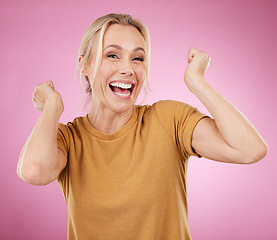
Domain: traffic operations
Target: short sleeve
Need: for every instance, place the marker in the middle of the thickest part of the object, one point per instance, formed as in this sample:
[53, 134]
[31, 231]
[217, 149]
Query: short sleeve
[63, 138]
[186, 129]
[179, 120]
[63, 143]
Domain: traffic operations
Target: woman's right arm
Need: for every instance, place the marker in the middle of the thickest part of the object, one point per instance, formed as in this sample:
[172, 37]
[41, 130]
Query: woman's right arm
[41, 161]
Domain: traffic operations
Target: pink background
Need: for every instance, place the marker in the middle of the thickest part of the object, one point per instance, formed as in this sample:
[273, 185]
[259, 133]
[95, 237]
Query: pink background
[40, 41]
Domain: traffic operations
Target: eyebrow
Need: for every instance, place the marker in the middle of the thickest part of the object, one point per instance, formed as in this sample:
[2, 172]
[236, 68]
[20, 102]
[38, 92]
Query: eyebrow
[120, 48]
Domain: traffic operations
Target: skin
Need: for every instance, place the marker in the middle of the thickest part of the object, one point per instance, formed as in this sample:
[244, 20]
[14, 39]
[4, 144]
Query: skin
[123, 60]
[227, 137]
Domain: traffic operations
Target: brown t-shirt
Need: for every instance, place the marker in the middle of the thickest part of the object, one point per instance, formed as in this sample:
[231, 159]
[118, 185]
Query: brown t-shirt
[129, 185]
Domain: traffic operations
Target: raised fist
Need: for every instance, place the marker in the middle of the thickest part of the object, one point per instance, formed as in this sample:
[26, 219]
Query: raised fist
[45, 93]
[198, 63]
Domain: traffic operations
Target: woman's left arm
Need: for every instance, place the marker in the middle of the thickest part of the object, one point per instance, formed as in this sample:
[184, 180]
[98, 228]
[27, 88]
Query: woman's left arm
[229, 136]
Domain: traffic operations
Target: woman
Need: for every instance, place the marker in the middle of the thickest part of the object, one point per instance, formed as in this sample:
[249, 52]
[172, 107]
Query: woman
[122, 168]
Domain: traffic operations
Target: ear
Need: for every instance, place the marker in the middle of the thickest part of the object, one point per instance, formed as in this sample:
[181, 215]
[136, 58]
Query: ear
[81, 66]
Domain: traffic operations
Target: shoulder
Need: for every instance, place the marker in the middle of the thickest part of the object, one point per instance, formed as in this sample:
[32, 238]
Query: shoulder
[170, 104]
[163, 105]
[168, 112]
[74, 126]
[171, 108]
[177, 114]
[68, 133]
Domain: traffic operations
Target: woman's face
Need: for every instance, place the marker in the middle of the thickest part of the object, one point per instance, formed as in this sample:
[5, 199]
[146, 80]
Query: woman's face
[122, 69]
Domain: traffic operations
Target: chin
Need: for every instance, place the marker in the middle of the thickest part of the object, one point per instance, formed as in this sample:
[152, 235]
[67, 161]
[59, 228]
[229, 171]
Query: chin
[122, 107]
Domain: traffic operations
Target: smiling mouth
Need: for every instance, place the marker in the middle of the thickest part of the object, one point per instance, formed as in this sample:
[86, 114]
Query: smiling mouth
[122, 89]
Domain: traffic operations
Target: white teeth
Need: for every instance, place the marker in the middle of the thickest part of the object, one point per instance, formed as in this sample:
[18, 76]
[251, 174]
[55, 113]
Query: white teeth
[123, 94]
[121, 85]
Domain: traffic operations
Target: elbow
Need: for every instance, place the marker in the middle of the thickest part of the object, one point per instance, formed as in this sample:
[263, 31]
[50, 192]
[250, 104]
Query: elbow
[261, 152]
[32, 174]
[256, 153]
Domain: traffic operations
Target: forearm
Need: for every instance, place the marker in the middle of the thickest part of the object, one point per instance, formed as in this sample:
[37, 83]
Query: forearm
[39, 155]
[232, 125]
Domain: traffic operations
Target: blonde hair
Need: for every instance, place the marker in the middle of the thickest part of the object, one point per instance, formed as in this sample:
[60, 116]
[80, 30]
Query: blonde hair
[100, 26]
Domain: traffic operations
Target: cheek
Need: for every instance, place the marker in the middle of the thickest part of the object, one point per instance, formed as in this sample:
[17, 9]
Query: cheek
[141, 73]
[105, 72]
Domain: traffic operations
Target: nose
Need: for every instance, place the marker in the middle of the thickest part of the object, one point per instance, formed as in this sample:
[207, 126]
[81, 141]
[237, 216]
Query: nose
[126, 69]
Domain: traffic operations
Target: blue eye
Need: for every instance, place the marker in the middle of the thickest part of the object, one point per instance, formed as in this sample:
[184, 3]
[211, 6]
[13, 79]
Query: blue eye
[139, 59]
[112, 56]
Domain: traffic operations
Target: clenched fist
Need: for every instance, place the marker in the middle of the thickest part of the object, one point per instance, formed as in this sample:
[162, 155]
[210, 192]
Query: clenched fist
[45, 93]
[198, 63]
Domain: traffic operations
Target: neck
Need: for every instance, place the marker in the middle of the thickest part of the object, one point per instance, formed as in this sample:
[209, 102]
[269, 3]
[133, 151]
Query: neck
[106, 120]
